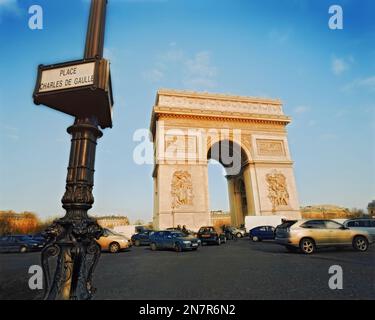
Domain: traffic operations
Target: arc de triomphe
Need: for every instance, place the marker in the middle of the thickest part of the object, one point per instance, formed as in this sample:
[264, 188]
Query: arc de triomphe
[246, 135]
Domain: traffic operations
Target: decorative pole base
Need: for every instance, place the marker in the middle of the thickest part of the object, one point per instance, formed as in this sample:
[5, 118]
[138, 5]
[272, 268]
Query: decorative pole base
[71, 240]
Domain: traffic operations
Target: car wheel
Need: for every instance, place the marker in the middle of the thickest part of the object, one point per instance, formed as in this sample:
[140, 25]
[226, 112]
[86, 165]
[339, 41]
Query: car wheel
[307, 246]
[153, 246]
[137, 243]
[177, 247]
[360, 243]
[239, 235]
[114, 247]
[23, 249]
[255, 238]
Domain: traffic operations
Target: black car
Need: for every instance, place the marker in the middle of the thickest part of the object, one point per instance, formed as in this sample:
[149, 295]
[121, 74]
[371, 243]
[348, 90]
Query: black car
[142, 238]
[19, 244]
[211, 235]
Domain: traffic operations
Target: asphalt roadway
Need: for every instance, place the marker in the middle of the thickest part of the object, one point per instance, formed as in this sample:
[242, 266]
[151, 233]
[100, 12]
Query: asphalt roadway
[236, 270]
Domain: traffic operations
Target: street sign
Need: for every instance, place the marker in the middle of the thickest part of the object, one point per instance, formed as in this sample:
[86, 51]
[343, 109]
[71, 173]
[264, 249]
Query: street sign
[67, 77]
[79, 88]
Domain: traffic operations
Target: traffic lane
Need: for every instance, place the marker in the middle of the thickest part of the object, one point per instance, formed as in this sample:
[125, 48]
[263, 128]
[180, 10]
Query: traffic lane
[238, 270]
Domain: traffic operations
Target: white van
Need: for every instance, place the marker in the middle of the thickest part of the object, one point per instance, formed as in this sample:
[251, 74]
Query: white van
[252, 222]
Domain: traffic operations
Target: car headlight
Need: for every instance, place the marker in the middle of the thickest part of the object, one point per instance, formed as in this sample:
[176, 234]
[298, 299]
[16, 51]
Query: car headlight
[187, 242]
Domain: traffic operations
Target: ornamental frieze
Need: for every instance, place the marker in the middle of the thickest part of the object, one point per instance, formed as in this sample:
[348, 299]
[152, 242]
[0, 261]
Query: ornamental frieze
[237, 107]
[277, 190]
[181, 189]
[270, 147]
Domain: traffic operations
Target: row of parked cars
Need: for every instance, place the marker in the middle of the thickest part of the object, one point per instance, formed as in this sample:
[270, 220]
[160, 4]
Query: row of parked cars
[309, 235]
[179, 240]
[115, 242]
[295, 235]
[110, 241]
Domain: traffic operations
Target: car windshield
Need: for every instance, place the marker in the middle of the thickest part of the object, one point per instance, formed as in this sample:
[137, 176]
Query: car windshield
[24, 238]
[113, 233]
[178, 235]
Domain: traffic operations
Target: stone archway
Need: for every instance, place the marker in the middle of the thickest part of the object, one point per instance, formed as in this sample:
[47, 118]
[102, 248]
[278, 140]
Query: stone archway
[235, 175]
[247, 135]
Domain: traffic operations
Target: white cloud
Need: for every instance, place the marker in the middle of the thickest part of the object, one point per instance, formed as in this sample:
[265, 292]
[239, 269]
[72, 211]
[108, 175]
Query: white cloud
[4, 3]
[9, 131]
[301, 109]
[154, 75]
[339, 66]
[363, 83]
[9, 6]
[200, 71]
[193, 71]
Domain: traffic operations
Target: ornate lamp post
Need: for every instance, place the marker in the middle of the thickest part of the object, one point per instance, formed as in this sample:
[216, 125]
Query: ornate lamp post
[82, 89]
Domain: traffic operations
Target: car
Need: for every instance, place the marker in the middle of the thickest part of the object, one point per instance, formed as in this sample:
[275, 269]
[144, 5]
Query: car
[175, 240]
[141, 238]
[113, 242]
[363, 224]
[187, 232]
[20, 244]
[237, 232]
[211, 235]
[262, 233]
[308, 235]
[38, 238]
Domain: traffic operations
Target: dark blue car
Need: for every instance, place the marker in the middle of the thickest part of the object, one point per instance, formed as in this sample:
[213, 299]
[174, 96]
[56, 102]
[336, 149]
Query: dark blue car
[19, 244]
[142, 238]
[173, 240]
[262, 233]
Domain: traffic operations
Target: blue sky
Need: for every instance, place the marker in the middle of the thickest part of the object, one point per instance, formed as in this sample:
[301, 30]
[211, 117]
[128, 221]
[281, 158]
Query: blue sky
[279, 49]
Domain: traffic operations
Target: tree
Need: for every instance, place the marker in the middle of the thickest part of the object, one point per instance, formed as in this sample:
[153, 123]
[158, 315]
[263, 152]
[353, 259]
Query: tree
[357, 213]
[5, 226]
[139, 222]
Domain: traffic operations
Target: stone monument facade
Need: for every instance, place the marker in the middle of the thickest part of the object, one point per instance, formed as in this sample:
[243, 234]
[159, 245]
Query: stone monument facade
[246, 135]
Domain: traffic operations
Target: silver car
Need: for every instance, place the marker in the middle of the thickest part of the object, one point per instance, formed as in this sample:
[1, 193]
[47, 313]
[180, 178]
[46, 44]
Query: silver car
[307, 235]
[363, 225]
[237, 232]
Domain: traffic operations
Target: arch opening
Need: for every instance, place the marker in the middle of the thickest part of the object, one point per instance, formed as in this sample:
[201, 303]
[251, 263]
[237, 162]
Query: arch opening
[233, 158]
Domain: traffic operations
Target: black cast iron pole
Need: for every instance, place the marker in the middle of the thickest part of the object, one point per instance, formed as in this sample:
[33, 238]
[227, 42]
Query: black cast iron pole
[96, 29]
[71, 240]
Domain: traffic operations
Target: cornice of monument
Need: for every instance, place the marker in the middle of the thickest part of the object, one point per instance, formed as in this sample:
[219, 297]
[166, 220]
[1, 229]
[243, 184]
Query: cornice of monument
[216, 107]
[216, 96]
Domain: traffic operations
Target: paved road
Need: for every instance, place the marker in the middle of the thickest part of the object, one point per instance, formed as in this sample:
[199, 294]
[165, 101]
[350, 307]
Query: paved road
[237, 270]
